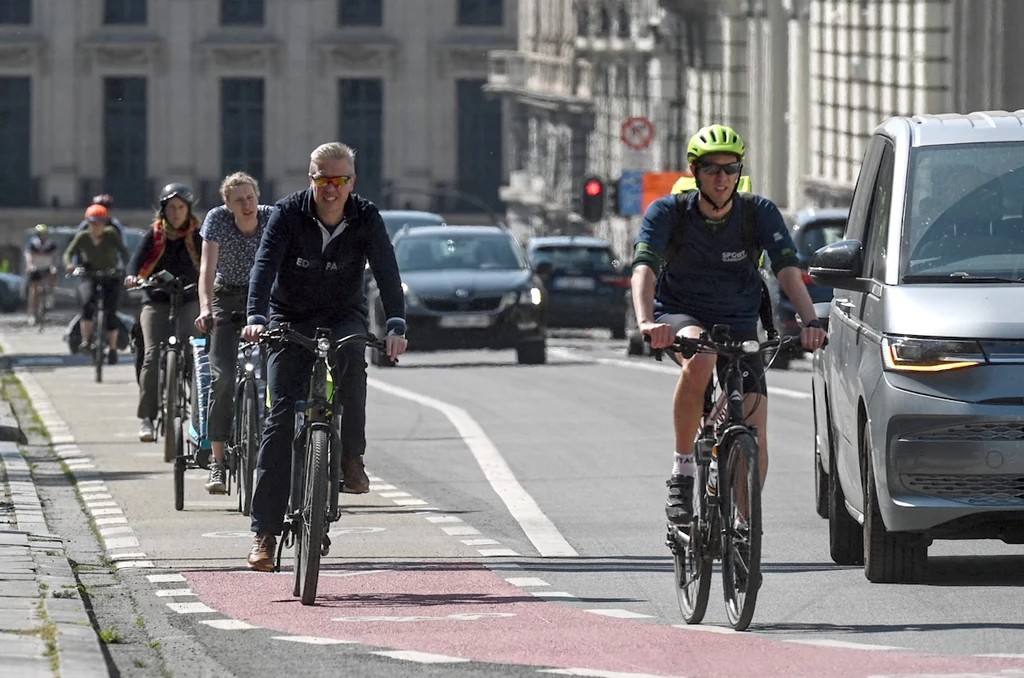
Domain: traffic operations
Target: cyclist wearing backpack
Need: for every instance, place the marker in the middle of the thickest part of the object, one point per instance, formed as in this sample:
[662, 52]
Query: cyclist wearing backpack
[695, 265]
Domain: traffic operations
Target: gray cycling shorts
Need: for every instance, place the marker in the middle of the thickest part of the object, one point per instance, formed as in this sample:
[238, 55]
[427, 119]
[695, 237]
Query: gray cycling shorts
[752, 365]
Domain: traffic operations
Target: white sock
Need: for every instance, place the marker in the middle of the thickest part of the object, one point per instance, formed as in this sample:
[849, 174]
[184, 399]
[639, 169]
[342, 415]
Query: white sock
[685, 465]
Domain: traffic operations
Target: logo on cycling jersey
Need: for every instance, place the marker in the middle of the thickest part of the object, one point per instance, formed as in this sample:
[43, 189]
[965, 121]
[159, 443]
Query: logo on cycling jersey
[730, 257]
[306, 263]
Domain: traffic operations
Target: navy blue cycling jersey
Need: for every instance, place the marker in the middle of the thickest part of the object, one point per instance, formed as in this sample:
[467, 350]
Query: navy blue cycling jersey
[711, 276]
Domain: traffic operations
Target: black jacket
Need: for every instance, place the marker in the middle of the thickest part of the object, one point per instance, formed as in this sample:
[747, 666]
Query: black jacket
[175, 260]
[297, 278]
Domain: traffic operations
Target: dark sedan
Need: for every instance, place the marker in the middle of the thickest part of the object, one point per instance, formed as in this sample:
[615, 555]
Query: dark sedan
[467, 287]
[812, 229]
[584, 280]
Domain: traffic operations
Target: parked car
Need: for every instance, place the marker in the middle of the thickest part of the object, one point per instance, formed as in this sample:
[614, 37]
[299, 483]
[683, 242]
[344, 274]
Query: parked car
[812, 229]
[466, 287]
[584, 281]
[66, 293]
[919, 396]
[12, 292]
[396, 220]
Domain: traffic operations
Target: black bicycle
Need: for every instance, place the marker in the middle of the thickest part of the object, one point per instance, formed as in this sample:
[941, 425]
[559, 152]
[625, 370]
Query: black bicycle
[316, 455]
[726, 523]
[99, 279]
[175, 380]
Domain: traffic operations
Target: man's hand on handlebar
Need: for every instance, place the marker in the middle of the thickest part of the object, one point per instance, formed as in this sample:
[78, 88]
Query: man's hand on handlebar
[130, 282]
[204, 322]
[396, 345]
[253, 332]
[661, 334]
[813, 338]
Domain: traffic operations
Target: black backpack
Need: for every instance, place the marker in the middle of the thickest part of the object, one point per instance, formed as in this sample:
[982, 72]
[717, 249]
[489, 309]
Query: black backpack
[748, 233]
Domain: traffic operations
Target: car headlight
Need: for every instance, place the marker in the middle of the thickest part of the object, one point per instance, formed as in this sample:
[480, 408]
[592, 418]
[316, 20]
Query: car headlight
[410, 297]
[531, 296]
[906, 354]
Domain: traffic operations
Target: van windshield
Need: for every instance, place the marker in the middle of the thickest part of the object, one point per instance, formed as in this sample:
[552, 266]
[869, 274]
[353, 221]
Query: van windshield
[965, 208]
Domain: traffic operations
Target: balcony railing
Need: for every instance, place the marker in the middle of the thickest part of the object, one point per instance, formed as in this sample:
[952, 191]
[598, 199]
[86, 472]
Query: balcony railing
[552, 77]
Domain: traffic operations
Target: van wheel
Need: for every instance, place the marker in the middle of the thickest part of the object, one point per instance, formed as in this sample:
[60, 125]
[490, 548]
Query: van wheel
[889, 557]
[845, 537]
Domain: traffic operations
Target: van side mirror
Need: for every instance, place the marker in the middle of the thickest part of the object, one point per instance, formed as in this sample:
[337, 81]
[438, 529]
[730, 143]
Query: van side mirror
[840, 265]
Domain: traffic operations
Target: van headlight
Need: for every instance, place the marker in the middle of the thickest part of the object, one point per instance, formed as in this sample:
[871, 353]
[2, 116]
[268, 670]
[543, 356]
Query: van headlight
[532, 296]
[908, 354]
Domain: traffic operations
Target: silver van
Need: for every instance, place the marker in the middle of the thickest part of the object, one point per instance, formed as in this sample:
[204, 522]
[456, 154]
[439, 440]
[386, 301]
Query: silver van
[919, 396]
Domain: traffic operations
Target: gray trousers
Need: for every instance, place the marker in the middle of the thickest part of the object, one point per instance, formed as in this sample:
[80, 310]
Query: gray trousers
[155, 330]
[223, 351]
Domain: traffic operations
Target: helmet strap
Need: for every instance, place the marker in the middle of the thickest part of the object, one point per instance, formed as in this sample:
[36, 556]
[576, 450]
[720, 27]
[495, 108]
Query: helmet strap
[708, 197]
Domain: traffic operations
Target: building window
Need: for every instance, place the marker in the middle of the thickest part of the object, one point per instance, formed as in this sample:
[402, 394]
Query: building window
[604, 20]
[360, 13]
[361, 126]
[241, 12]
[480, 13]
[479, 145]
[15, 11]
[583, 21]
[622, 21]
[125, 165]
[17, 188]
[125, 12]
[241, 123]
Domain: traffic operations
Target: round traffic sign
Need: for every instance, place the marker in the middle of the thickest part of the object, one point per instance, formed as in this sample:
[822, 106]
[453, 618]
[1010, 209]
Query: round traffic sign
[637, 133]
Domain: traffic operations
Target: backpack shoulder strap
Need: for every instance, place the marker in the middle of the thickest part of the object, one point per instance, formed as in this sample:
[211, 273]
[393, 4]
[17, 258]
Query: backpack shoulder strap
[681, 221]
[748, 228]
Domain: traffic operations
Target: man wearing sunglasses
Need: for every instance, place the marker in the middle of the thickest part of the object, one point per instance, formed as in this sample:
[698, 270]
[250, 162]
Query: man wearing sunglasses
[309, 272]
[712, 278]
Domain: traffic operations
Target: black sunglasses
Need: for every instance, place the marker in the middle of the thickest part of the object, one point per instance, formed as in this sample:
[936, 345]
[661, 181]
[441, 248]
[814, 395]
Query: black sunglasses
[714, 168]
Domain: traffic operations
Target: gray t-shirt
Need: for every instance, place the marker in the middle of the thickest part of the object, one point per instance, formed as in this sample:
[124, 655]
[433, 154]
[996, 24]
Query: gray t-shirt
[237, 253]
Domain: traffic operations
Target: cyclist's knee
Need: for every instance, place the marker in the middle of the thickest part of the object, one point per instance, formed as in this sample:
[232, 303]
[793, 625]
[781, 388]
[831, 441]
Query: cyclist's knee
[697, 370]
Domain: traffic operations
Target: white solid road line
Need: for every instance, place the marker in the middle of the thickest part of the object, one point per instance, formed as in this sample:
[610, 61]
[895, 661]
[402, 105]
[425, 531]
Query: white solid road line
[577, 356]
[545, 537]
[597, 673]
[421, 657]
[843, 644]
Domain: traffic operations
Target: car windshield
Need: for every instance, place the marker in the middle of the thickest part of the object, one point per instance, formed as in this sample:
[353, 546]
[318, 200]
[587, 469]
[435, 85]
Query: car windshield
[965, 212]
[394, 223]
[477, 252]
[821, 233]
[575, 259]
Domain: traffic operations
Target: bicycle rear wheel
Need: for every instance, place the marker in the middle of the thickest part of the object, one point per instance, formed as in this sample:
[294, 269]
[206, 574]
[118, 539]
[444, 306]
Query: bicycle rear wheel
[179, 466]
[741, 531]
[692, 557]
[247, 446]
[171, 432]
[310, 537]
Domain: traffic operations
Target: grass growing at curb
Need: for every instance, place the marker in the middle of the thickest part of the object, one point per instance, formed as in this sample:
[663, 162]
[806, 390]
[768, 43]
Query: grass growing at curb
[48, 632]
[110, 635]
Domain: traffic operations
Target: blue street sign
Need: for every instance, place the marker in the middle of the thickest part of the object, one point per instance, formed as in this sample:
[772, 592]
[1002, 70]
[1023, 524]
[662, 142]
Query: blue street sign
[631, 190]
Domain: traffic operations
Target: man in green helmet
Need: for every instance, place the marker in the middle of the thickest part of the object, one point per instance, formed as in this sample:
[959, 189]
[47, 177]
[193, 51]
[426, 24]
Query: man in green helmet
[695, 266]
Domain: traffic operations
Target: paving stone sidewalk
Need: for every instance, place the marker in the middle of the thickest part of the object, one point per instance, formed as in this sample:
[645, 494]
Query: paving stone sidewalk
[45, 628]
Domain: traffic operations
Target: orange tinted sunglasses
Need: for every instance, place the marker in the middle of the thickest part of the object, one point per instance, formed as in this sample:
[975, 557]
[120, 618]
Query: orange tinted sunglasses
[340, 181]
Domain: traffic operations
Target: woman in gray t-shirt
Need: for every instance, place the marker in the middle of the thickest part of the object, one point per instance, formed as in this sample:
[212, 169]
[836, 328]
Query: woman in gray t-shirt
[231, 235]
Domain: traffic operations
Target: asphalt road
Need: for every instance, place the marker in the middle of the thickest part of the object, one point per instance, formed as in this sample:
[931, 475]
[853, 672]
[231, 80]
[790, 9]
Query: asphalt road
[515, 521]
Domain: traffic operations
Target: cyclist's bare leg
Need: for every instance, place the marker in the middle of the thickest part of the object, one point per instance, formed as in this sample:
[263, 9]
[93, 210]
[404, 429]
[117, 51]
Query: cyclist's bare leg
[33, 298]
[112, 340]
[688, 405]
[86, 330]
[217, 447]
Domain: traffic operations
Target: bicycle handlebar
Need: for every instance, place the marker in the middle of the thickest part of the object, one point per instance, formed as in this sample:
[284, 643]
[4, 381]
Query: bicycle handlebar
[284, 333]
[689, 346]
[172, 286]
[85, 272]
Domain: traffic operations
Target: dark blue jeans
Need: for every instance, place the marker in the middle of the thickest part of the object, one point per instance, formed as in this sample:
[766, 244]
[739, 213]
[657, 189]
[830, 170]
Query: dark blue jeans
[288, 370]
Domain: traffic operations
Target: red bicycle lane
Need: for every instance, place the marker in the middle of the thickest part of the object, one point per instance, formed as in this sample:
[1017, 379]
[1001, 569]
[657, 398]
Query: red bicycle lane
[462, 609]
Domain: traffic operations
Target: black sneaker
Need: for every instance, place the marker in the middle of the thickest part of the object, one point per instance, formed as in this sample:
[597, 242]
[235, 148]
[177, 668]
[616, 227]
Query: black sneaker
[679, 507]
[216, 483]
[111, 357]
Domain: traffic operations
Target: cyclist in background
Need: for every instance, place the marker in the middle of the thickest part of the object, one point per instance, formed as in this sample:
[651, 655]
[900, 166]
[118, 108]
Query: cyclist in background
[40, 263]
[99, 249]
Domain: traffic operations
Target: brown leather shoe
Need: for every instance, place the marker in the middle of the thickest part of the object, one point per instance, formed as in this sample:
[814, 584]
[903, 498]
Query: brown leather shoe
[261, 557]
[355, 480]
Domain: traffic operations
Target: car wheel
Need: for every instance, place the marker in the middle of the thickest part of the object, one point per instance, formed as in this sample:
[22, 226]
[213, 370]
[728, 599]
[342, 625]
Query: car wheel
[532, 353]
[618, 331]
[820, 477]
[845, 538]
[889, 557]
[635, 345]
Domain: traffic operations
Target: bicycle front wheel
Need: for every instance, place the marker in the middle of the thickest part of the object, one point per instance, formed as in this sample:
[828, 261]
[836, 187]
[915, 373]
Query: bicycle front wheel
[741, 531]
[171, 432]
[99, 341]
[310, 537]
[247, 446]
[692, 557]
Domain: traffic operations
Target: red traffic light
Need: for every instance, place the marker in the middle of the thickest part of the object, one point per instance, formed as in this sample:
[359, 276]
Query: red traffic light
[593, 187]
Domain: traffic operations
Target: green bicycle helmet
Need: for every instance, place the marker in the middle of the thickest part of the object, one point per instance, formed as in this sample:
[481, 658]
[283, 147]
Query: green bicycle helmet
[715, 139]
[42, 229]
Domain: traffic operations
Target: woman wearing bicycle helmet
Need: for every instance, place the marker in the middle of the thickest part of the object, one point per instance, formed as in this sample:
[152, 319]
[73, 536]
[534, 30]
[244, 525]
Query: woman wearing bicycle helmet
[172, 244]
[100, 248]
[231, 235]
